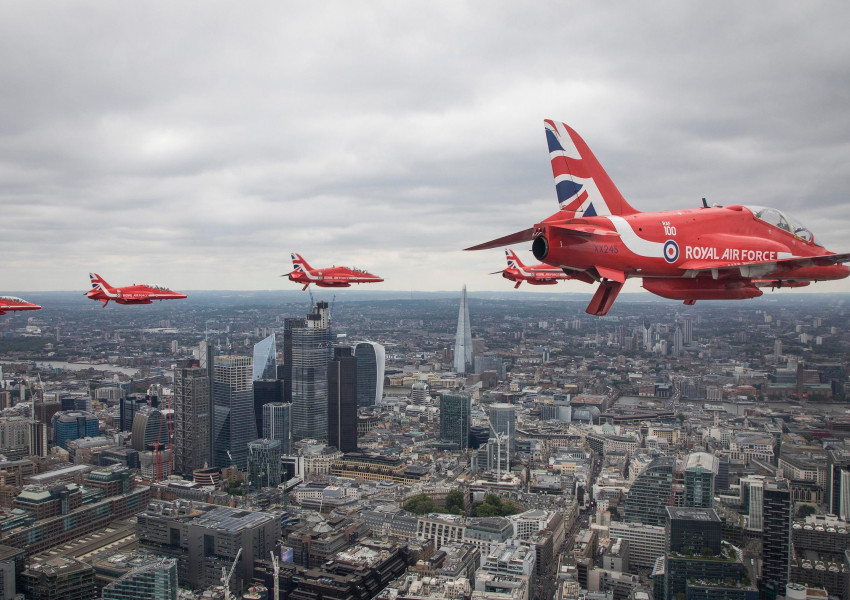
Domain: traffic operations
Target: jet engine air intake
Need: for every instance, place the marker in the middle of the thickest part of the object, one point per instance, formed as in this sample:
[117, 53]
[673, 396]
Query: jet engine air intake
[540, 247]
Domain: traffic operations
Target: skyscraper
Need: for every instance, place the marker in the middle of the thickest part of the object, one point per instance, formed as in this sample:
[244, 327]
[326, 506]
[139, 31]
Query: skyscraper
[151, 428]
[310, 347]
[371, 361]
[752, 493]
[233, 410]
[289, 325]
[455, 420]
[192, 424]
[646, 500]
[838, 482]
[503, 421]
[265, 359]
[688, 330]
[776, 539]
[277, 424]
[700, 469]
[265, 391]
[678, 341]
[263, 463]
[342, 400]
[463, 338]
[127, 407]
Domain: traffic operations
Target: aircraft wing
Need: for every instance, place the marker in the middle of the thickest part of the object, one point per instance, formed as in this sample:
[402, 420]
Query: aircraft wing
[756, 270]
[526, 235]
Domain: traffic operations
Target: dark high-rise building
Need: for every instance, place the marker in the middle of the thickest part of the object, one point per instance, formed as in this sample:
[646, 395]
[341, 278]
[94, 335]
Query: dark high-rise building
[478, 436]
[699, 470]
[264, 463]
[277, 424]
[693, 531]
[455, 418]
[371, 361]
[127, 408]
[342, 400]
[310, 356]
[838, 482]
[289, 325]
[233, 411]
[73, 425]
[193, 415]
[463, 338]
[776, 538]
[646, 501]
[265, 392]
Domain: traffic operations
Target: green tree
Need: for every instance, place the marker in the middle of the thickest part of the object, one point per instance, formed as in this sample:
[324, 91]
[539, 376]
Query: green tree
[493, 506]
[420, 505]
[455, 502]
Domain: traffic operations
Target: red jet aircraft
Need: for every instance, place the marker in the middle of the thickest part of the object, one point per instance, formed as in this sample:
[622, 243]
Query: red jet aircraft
[131, 294]
[8, 303]
[329, 277]
[707, 253]
[534, 274]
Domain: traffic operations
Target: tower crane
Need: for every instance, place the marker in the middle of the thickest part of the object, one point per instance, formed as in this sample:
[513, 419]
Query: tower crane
[225, 576]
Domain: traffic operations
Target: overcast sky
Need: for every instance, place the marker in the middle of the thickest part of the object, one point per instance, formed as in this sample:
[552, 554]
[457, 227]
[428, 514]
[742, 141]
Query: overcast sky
[195, 145]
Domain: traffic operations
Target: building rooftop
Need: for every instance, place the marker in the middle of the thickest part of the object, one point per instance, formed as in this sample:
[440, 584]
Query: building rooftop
[682, 513]
[702, 461]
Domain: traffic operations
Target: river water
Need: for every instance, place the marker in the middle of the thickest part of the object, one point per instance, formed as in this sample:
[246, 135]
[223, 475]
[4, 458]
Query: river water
[68, 366]
[734, 408]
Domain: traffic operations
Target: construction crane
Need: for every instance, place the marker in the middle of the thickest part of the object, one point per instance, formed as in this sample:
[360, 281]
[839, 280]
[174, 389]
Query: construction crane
[276, 568]
[225, 576]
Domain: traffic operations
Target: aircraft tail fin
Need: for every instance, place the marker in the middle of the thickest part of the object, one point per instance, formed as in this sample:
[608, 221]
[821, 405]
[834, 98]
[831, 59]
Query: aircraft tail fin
[98, 282]
[582, 185]
[513, 259]
[299, 264]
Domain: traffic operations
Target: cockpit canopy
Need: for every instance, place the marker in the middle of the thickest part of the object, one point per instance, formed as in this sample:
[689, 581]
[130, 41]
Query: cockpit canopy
[777, 218]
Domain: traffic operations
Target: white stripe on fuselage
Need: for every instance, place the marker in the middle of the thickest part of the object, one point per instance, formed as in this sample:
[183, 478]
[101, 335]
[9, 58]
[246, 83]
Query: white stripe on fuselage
[307, 272]
[635, 244]
[106, 291]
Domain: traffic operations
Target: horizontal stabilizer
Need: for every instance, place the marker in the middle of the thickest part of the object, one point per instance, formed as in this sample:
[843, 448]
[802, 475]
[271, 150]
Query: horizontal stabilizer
[526, 235]
[604, 298]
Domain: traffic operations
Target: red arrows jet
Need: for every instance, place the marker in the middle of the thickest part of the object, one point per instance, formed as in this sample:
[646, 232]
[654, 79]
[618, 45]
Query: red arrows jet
[8, 303]
[534, 274]
[329, 277]
[131, 294]
[707, 253]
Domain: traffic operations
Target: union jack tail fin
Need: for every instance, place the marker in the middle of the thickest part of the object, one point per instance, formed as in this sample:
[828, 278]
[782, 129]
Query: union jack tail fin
[582, 184]
[98, 281]
[513, 259]
[299, 264]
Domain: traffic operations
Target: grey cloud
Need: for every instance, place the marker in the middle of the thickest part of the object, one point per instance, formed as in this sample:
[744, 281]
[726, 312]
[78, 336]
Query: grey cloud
[199, 143]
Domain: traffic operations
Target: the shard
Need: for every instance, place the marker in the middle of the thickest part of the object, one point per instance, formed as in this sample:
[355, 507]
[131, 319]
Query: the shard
[463, 340]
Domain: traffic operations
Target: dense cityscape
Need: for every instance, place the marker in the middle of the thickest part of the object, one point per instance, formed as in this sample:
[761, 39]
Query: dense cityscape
[433, 447]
